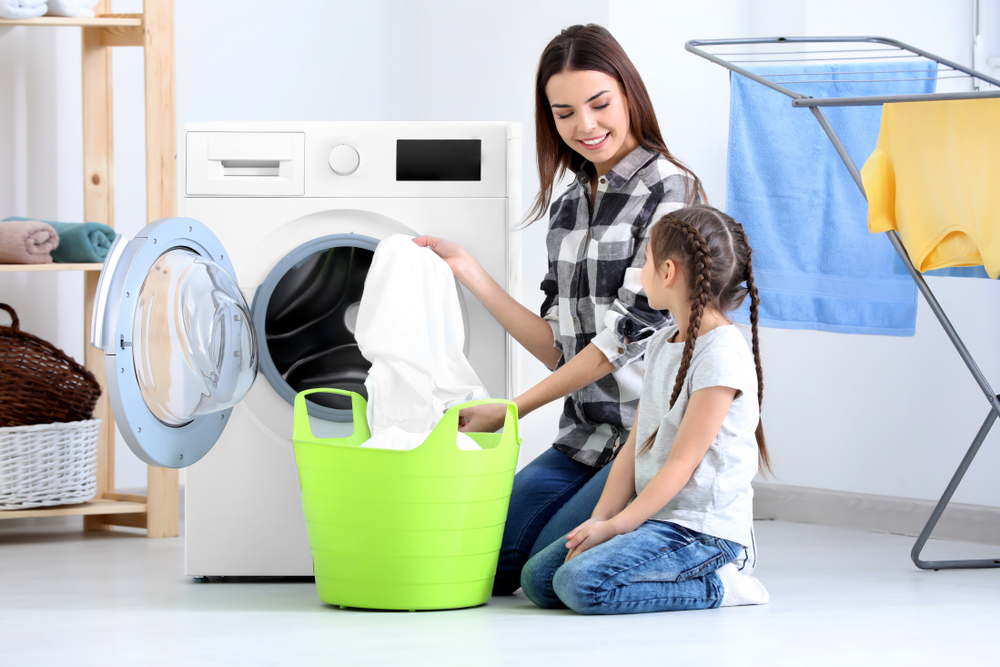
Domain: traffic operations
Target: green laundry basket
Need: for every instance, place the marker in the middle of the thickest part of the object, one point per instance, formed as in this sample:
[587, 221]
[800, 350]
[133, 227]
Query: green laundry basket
[405, 529]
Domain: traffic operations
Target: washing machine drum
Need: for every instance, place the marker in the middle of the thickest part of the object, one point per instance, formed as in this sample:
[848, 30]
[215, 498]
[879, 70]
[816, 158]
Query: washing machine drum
[309, 318]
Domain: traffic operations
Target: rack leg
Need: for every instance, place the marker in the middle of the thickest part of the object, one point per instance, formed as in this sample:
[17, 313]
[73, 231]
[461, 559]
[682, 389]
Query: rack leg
[945, 499]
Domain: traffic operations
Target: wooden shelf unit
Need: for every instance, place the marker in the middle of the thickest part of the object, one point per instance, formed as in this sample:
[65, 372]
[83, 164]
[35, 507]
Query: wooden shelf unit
[153, 31]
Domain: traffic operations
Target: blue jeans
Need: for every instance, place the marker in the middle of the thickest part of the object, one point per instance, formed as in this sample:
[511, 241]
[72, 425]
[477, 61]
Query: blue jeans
[551, 496]
[659, 566]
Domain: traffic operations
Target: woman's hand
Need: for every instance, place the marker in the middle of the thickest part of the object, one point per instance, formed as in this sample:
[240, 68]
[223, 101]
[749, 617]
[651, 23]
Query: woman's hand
[457, 257]
[482, 418]
[589, 534]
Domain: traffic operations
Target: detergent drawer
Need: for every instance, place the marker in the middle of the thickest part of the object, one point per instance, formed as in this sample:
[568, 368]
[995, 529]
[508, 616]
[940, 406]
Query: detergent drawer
[245, 164]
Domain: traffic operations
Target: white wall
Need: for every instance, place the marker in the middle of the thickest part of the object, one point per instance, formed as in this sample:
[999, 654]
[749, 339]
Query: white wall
[854, 413]
[871, 414]
[388, 60]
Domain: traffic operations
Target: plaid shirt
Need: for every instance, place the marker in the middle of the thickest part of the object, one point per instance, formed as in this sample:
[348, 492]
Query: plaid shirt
[593, 293]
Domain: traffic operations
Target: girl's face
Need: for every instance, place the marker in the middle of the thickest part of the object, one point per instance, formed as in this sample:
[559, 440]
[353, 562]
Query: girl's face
[662, 283]
[591, 114]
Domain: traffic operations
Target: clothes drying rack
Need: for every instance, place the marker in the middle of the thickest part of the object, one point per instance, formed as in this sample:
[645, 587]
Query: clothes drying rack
[883, 53]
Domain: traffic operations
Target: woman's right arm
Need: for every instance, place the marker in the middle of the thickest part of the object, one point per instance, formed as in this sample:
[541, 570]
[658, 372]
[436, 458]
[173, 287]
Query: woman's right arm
[527, 328]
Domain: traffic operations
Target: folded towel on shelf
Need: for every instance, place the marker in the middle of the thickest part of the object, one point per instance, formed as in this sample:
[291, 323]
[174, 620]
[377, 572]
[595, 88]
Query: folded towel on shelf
[815, 263]
[22, 9]
[74, 8]
[27, 242]
[78, 241]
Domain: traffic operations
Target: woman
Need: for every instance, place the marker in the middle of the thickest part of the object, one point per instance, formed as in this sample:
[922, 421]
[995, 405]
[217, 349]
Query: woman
[593, 116]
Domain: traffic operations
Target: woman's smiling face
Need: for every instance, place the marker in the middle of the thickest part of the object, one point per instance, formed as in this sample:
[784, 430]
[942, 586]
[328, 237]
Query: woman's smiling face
[591, 115]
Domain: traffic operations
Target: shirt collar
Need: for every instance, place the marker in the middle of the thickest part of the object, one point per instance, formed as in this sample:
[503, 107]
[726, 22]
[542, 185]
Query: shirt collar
[622, 172]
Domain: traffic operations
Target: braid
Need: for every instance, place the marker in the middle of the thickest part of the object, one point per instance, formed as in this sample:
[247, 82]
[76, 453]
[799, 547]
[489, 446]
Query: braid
[765, 460]
[701, 294]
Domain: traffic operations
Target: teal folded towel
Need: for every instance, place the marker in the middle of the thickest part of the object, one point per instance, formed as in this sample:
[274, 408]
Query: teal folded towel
[79, 242]
[816, 265]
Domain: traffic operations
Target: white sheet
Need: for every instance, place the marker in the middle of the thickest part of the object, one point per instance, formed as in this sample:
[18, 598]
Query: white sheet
[410, 328]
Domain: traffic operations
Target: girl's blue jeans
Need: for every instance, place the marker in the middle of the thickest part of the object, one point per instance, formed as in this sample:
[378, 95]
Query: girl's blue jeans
[659, 566]
[551, 496]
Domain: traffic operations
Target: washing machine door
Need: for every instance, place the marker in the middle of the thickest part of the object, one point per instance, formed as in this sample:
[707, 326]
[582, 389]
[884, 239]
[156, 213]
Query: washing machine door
[179, 343]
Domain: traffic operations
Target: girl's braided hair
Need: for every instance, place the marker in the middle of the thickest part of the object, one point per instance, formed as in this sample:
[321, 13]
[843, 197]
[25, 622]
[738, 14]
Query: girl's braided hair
[713, 251]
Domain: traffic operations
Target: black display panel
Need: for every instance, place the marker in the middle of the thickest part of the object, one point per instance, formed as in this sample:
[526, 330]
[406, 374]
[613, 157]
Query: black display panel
[439, 159]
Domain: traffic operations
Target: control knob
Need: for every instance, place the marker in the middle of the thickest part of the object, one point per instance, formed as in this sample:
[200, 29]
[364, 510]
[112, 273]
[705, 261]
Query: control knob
[344, 160]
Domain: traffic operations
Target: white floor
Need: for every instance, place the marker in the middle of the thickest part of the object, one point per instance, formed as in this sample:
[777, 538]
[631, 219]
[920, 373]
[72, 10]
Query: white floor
[838, 597]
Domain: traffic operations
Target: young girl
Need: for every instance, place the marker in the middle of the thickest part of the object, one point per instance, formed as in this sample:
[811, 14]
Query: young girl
[593, 119]
[675, 545]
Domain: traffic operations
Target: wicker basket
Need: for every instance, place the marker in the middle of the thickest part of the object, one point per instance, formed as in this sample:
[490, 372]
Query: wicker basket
[48, 464]
[39, 383]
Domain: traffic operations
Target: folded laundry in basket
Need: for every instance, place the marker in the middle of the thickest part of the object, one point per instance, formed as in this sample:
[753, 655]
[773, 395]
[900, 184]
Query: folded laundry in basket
[410, 327]
[27, 242]
[815, 264]
[79, 241]
[75, 8]
[933, 178]
[21, 9]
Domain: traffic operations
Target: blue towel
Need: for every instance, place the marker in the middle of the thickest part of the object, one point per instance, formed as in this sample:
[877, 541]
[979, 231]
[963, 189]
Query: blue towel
[815, 263]
[79, 242]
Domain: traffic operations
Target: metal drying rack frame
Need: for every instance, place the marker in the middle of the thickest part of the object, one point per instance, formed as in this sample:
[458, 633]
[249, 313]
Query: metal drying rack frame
[896, 50]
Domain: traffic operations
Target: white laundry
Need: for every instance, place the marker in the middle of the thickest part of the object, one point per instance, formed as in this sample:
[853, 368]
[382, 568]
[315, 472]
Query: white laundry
[410, 328]
[22, 9]
[74, 8]
[396, 438]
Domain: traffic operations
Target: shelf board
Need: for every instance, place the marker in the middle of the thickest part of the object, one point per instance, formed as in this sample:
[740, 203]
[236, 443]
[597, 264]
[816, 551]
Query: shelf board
[103, 21]
[102, 506]
[50, 267]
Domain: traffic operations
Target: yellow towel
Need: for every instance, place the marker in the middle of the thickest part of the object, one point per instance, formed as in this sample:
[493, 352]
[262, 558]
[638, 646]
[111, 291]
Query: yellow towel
[935, 178]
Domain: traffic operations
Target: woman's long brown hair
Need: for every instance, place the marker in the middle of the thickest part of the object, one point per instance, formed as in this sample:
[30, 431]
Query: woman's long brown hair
[713, 251]
[591, 48]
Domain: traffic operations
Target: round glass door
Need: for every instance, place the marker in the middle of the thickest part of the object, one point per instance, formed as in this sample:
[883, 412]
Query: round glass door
[180, 349]
[194, 348]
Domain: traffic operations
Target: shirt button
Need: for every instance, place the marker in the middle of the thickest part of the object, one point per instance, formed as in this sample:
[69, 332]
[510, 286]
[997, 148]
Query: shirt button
[621, 350]
[576, 321]
[604, 180]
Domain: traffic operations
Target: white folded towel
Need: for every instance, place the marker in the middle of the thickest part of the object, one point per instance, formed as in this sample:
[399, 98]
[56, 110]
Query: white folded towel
[74, 8]
[22, 9]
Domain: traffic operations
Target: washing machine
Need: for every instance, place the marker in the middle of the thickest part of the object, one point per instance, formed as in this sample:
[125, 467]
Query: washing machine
[212, 321]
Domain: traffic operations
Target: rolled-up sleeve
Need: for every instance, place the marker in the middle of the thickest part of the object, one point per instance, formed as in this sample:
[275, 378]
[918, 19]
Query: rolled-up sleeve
[550, 305]
[630, 320]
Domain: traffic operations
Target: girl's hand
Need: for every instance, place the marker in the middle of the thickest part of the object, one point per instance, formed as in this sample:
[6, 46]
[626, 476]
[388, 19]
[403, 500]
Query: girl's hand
[482, 418]
[457, 257]
[589, 534]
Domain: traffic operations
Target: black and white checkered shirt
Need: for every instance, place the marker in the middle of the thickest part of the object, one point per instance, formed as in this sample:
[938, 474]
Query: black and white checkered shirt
[593, 293]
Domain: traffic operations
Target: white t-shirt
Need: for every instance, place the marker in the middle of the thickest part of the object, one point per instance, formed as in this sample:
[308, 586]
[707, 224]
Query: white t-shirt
[718, 499]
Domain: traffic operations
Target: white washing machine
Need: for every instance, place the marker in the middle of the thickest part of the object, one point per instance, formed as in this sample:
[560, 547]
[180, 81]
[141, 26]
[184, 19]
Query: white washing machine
[284, 217]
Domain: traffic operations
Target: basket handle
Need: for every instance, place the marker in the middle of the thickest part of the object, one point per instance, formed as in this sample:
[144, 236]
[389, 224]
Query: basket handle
[15, 323]
[449, 422]
[359, 408]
